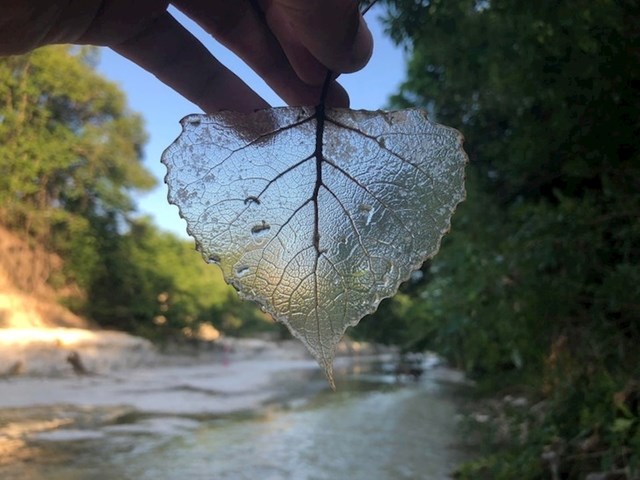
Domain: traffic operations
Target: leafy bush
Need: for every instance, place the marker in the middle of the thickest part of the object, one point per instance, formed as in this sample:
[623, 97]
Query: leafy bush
[538, 284]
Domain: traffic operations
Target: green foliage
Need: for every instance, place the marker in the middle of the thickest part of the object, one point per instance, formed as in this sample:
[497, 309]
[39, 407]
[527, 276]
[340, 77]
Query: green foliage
[69, 153]
[160, 287]
[523, 466]
[70, 158]
[539, 280]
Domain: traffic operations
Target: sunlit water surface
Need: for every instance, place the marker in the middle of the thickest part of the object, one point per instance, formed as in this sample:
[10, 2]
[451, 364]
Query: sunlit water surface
[372, 428]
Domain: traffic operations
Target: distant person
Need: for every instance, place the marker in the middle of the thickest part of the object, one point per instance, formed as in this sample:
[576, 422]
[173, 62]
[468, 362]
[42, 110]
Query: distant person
[289, 43]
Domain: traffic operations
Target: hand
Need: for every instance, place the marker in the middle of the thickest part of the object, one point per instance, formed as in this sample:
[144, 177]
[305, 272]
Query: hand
[290, 43]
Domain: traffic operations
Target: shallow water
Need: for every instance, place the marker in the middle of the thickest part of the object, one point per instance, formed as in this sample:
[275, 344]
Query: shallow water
[371, 428]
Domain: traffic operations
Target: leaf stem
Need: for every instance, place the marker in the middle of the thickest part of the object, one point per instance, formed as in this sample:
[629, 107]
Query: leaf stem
[366, 9]
[320, 116]
[328, 78]
[319, 157]
[325, 88]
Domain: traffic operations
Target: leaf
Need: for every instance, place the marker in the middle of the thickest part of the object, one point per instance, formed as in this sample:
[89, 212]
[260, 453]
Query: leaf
[316, 215]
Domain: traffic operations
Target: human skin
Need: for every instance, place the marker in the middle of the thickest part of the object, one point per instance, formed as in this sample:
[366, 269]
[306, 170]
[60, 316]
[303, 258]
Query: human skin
[290, 43]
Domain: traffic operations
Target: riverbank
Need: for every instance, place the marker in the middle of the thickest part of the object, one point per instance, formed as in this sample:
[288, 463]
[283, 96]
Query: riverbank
[82, 367]
[40, 368]
[60, 352]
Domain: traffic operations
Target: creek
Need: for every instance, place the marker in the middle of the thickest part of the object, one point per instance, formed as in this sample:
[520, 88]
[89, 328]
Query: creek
[373, 427]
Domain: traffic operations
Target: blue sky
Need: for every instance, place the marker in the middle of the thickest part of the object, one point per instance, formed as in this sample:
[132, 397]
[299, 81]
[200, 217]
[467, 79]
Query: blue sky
[162, 108]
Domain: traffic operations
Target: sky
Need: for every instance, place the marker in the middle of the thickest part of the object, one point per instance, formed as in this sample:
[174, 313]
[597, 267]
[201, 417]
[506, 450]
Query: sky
[162, 108]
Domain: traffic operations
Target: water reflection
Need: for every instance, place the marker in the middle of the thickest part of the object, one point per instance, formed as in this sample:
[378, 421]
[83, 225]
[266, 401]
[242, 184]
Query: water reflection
[372, 428]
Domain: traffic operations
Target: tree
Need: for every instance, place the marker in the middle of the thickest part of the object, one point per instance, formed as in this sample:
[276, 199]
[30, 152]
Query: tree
[70, 153]
[539, 279]
[158, 285]
[70, 160]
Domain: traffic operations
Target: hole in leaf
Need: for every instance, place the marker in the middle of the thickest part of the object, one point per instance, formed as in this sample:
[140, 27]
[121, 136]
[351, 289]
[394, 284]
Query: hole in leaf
[242, 270]
[251, 199]
[368, 210]
[260, 230]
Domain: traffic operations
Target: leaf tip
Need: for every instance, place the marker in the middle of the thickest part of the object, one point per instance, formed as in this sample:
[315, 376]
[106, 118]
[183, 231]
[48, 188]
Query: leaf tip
[328, 371]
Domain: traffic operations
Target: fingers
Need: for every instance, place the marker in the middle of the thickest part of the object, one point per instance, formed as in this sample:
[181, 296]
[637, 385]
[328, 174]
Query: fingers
[278, 44]
[332, 31]
[241, 28]
[25, 26]
[177, 58]
[307, 67]
[115, 20]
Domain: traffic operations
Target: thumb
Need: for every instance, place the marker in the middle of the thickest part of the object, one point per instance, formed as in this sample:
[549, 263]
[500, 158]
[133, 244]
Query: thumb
[332, 31]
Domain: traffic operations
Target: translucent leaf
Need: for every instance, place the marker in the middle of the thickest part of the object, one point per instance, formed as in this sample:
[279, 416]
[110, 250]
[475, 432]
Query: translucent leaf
[316, 215]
